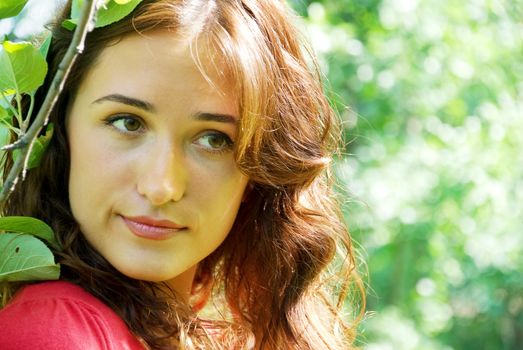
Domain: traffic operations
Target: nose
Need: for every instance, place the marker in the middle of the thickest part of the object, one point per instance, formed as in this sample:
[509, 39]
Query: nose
[163, 176]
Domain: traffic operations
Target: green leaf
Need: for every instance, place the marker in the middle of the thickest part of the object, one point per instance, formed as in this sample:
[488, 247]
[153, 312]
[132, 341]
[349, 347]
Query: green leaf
[26, 258]
[3, 113]
[6, 117]
[115, 11]
[28, 225]
[39, 146]
[76, 8]
[5, 135]
[69, 24]
[11, 8]
[22, 67]
[5, 100]
[44, 47]
[112, 11]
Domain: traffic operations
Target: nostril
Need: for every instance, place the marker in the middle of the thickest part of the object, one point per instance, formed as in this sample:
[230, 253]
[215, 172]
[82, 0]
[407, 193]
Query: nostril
[159, 191]
[162, 177]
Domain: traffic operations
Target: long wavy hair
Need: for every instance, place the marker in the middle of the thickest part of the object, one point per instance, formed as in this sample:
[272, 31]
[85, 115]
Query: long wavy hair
[287, 268]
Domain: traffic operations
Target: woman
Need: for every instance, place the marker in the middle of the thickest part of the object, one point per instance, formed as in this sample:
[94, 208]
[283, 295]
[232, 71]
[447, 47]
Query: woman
[196, 143]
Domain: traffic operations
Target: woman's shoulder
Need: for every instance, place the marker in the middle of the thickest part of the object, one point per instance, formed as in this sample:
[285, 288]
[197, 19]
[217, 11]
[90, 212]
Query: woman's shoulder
[50, 290]
[60, 315]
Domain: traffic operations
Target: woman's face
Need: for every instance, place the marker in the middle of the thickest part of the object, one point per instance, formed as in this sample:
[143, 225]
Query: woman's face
[153, 181]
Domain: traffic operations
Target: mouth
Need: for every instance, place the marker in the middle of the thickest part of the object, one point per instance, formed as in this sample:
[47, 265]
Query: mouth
[152, 228]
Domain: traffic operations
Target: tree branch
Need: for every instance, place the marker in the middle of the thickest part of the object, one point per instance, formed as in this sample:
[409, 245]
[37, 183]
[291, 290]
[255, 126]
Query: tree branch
[25, 143]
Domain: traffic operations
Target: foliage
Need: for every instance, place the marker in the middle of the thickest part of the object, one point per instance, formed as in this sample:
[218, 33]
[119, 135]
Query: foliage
[434, 176]
[22, 256]
[11, 8]
[112, 11]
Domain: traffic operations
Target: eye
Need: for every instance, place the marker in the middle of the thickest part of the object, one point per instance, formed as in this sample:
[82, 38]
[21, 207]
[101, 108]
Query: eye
[215, 142]
[126, 123]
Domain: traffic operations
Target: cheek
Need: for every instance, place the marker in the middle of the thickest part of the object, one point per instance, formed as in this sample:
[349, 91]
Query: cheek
[83, 181]
[87, 163]
[221, 196]
[94, 172]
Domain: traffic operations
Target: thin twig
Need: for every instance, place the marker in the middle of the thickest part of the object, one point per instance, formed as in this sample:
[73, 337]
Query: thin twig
[25, 143]
[8, 125]
[29, 112]
[19, 108]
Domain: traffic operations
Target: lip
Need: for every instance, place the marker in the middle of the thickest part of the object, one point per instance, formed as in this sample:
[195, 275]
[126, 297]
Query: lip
[152, 228]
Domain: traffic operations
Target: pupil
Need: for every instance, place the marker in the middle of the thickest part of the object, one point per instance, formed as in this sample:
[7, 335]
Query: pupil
[131, 124]
[216, 141]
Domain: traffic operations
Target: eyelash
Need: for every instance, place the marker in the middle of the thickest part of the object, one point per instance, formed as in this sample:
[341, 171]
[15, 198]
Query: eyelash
[112, 120]
[122, 117]
[229, 143]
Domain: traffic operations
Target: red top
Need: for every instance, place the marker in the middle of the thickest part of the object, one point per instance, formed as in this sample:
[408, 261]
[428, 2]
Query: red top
[62, 316]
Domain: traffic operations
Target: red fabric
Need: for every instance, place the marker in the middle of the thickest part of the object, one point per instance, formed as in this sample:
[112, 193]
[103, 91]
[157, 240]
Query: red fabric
[62, 316]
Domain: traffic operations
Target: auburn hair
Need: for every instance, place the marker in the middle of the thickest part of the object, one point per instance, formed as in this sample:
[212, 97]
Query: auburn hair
[287, 268]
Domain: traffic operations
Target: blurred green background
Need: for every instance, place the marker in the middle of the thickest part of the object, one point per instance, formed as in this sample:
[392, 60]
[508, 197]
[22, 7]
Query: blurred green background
[431, 96]
[434, 167]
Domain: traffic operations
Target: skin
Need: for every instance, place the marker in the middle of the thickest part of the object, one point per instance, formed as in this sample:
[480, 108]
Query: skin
[170, 158]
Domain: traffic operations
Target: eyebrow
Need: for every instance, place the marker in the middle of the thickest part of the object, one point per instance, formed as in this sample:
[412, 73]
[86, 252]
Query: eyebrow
[126, 100]
[216, 117]
[146, 106]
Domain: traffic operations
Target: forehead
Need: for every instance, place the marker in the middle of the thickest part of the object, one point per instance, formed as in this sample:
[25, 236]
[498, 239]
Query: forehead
[159, 64]
[167, 55]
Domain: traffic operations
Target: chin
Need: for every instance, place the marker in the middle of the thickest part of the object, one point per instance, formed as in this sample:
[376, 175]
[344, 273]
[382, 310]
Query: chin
[147, 276]
[145, 272]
